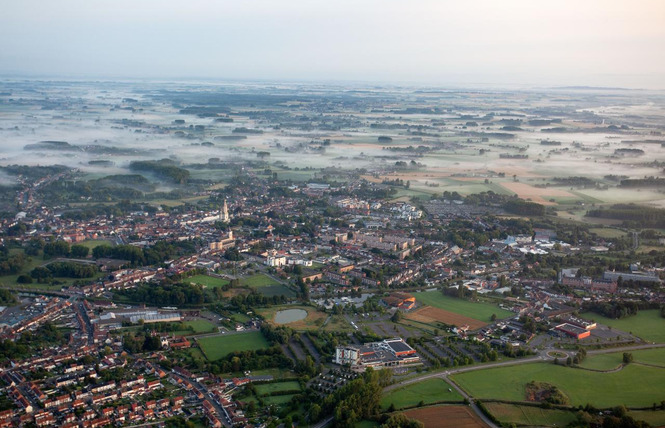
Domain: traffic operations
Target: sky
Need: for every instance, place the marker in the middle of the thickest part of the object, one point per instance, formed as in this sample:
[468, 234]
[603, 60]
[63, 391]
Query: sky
[431, 42]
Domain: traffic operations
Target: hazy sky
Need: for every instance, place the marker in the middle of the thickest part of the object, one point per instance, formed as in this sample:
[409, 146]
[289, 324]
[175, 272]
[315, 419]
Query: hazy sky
[562, 42]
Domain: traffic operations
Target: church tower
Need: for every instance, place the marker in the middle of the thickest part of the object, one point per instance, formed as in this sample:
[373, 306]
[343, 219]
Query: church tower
[224, 214]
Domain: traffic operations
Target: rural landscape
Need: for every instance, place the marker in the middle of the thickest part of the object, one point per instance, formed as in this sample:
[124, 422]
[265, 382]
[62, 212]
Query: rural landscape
[359, 214]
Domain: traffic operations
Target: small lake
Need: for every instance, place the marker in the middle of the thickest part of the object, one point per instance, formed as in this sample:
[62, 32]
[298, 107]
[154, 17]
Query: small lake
[290, 315]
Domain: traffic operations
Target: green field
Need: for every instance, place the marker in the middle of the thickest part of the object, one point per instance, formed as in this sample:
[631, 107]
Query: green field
[477, 310]
[428, 391]
[654, 418]
[609, 361]
[266, 285]
[530, 416]
[208, 281]
[218, 347]
[267, 388]
[278, 400]
[648, 325]
[634, 386]
[199, 326]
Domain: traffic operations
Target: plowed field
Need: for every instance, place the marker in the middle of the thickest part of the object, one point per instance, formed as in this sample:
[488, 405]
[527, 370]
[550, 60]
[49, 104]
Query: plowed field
[430, 314]
[446, 417]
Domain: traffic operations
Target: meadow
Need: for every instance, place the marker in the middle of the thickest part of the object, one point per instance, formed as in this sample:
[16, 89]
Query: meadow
[217, 347]
[428, 391]
[480, 311]
[266, 286]
[313, 321]
[633, 386]
[648, 325]
[529, 416]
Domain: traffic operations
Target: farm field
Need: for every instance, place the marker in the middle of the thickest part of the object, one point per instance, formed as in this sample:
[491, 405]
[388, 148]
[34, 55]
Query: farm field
[529, 416]
[477, 310]
[313, 321]
[431, 314]
[208, 281]
[267, 388]
[648, 325]
[429, 391]
[446, 417]
[217, 347]
[266, 286]
[634, 386]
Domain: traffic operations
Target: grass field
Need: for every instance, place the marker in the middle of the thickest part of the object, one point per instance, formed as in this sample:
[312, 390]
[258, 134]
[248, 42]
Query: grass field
[634, 386]
[199, 326]
[654, 418]
[218, 347]
[648, 325]
[278, 400]
[428, 391]
[208, 281]
[477, 310]
[313, 321]
[609, 361]
[266, 285]
[267, 388]
[530, 416]
[607, 232]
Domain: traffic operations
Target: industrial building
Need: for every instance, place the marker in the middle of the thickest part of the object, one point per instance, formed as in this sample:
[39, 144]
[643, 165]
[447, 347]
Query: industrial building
[387, 353]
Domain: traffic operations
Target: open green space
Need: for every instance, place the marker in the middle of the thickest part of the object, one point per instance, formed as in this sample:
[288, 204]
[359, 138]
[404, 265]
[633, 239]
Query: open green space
[199, 326]
[480, 311]
[266, 285]
[633, 386]
[654, 357]
[607, 232]
[258, 280]
[217, 347]
[428, 391]
[530, 416]
[278, 400]
[654, 418]
[92, 243]
[208, 281]
[648, 325]
[313, 321]
[268, 388]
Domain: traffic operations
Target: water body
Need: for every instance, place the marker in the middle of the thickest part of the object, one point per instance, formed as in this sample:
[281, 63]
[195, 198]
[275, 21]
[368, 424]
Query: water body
[290, 315]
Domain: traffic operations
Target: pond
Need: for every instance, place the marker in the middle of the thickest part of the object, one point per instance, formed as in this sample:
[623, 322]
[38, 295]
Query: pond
[290, 315]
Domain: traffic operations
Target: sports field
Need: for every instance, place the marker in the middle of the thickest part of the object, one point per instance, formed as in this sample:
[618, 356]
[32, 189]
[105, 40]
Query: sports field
[648, 325]
[634, 386]
[446, 417]
[208, 281]
[529, 416]
[217, 347]
[428, 391]
[480, 311]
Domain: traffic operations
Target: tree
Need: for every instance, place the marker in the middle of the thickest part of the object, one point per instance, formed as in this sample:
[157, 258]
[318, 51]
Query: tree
[627, 358]
[400, 420]
[493, 317]
[79, 251]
